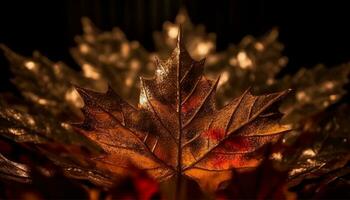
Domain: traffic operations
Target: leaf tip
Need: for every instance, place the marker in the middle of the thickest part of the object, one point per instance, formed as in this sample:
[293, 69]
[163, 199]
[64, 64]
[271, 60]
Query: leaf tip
[180, 43]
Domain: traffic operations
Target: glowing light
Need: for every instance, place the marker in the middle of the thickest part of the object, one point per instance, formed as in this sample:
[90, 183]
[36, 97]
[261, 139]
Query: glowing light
[309, 153]
[333, 97]
[277, 156]
[43, 101]
[128, 81]
[203, 48]
[259, 46]
[173, 31]
[243, 60]
[65, 125]
[223, 78]
[84, 48]
[270, 81]
[125, 49]
[302, 96]
[328, 85]
[31, 121]
[135, 64]
[39, 100]
[30, 65]
[16, 131]
[296, 171]
[233, 61]
[73, 97]
[90, 71]
[325, 103]
[310, 161]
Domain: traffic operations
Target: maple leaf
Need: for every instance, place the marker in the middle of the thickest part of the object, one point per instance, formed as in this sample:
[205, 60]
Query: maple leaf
[317, 155]
[177, 129]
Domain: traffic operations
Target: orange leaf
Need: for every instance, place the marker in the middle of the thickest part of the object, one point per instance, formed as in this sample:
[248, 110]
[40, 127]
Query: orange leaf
[177, 129]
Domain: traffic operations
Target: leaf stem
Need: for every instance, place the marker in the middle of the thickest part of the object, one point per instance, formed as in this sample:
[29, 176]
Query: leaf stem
[179, 100]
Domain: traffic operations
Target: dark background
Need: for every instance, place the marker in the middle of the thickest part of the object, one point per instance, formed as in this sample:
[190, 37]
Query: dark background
[313, 31]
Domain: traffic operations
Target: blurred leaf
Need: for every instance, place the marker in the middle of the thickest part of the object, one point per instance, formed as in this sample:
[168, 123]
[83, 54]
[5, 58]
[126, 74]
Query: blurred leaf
[46, 84]
[13, 171]
[109, 58]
